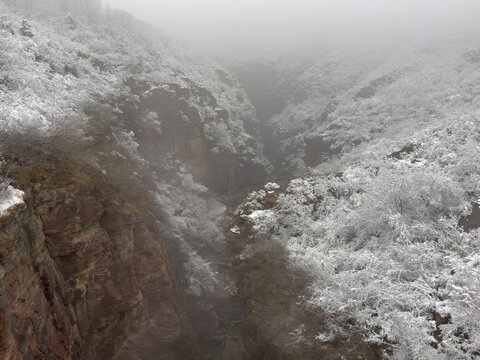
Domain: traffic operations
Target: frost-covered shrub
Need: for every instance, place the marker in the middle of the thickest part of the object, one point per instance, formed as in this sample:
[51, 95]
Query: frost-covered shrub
[473, 55]
[127, 141]
[152, 120]
[4, 184]
[403, 202]
[201, 278]
[26, 29]
[6, 25]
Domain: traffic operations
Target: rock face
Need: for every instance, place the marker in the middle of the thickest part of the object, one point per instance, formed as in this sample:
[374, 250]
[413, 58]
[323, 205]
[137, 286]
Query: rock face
[180, 129]
[84, 276]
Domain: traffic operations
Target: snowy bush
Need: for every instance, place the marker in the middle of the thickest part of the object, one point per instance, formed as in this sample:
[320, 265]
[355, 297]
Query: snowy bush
[6, 25]
[26, 29]
[4, 184]
[152, 120]
[126, 140]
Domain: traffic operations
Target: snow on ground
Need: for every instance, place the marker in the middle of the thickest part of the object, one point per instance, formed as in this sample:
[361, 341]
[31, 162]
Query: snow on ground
[9, 198]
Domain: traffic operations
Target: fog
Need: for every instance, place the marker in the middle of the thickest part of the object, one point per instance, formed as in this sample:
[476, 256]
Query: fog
[232, 26]
[307, 189]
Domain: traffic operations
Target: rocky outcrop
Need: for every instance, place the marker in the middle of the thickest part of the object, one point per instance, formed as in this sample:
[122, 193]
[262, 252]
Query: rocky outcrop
[179, 129]
[84, 276]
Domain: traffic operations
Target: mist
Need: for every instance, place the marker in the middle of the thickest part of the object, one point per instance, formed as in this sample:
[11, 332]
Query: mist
[228, 26]
[239, 180]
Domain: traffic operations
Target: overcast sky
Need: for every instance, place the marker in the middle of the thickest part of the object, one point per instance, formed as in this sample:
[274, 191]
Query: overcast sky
[224, 24]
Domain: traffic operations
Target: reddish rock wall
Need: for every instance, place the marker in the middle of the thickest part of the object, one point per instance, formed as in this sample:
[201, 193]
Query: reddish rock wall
[84, 276]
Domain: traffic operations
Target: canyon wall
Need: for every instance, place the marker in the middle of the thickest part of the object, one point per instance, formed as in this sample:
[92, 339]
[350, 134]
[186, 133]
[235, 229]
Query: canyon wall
[85, 276]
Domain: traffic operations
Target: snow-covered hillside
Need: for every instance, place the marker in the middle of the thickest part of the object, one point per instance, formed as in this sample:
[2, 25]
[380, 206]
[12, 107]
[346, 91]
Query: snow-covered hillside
[341, 98]
[383, 225]
[55, 68]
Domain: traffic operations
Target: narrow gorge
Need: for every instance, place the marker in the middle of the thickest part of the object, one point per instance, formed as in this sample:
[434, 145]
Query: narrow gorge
[313, 203]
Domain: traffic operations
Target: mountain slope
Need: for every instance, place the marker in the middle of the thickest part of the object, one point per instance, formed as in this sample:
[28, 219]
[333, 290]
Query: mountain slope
[122, 142]
[383, 233]
[339, 98]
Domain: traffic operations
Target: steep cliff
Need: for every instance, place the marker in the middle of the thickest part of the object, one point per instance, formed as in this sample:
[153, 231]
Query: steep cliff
[123, 143]
[85, 275]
